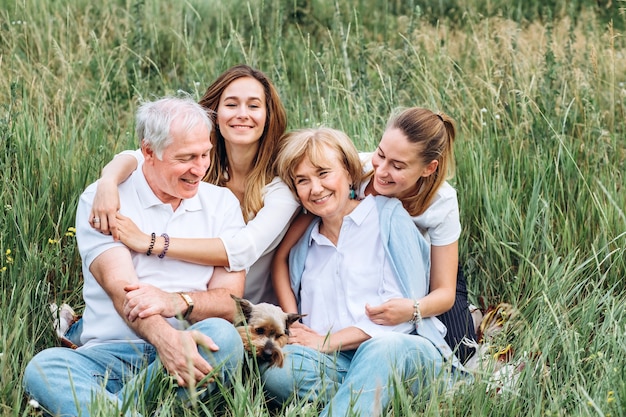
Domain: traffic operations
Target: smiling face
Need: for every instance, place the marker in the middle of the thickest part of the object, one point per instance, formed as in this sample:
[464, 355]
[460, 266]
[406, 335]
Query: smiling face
[398, 166]
[177, 174]
[242, 112]
[324, 187]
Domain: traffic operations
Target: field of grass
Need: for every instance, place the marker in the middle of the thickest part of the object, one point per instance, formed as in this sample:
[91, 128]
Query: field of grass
[538, 90]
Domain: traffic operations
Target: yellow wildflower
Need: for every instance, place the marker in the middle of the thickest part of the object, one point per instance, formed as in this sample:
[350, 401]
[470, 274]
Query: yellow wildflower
[53, 241]
[610, 398]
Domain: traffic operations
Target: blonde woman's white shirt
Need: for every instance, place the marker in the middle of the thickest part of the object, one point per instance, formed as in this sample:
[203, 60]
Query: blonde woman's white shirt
[440, 223]
[339, 280]
[252, 248]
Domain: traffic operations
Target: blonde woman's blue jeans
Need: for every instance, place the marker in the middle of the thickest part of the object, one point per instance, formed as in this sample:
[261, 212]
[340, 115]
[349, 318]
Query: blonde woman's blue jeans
[360, 381]
[64, 380]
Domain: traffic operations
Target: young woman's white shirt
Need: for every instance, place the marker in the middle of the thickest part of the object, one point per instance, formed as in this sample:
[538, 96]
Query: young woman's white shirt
[440, 223]
[253, 246]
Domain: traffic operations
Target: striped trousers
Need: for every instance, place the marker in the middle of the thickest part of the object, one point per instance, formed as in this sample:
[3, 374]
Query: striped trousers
[459, 321]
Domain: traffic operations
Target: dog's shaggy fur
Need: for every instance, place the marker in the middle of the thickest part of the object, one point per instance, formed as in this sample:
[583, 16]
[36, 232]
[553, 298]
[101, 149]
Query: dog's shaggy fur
[264, 329]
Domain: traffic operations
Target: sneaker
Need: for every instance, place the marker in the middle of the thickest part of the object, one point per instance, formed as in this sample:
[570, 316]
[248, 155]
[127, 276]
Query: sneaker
[477, 317]
[64, 317]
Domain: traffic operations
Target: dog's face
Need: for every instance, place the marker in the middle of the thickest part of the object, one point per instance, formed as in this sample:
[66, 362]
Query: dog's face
[264, 329]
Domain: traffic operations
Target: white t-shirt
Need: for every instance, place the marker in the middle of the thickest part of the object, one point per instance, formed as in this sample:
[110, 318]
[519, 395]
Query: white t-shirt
[440, 223]
[213, 211]
[339, 280]
[253, 247]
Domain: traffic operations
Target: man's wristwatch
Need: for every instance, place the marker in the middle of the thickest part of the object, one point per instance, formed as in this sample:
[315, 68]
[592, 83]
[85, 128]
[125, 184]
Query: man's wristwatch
[189, 302]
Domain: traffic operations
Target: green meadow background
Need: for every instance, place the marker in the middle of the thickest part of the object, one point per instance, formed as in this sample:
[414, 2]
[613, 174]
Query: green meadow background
[538, 91]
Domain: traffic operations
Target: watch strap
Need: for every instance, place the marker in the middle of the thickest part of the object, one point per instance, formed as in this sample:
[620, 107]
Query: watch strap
[189, 301]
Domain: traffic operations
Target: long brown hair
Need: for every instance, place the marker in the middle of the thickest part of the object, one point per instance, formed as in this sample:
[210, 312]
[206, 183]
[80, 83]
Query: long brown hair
[275, 124]
[434, 133]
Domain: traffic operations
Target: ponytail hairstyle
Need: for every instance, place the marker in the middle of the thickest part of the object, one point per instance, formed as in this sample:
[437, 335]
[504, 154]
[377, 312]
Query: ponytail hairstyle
[263, 171]
[434, 135]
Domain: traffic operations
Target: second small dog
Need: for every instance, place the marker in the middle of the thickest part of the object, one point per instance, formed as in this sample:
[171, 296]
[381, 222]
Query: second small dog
[264, 329]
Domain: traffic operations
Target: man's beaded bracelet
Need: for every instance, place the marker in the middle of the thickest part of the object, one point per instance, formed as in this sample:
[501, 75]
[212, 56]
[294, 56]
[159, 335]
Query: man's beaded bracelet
[417, 315]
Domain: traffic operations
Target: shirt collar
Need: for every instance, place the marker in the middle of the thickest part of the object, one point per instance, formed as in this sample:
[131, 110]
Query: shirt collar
[357, 216]
[148, 199]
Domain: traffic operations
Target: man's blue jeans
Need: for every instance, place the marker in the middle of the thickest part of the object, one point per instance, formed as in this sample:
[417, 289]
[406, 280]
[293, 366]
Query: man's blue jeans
[64, 381]
[360, 381]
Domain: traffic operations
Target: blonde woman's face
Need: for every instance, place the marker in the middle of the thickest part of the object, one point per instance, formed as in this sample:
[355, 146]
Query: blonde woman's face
[397, 166]
[325, 190]
[242, 111]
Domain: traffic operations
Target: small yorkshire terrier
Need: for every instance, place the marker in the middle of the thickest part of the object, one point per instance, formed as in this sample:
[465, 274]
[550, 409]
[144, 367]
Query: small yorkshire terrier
[264, 329]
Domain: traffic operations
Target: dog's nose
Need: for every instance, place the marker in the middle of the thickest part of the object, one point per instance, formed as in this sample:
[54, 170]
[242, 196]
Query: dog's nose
[268, 350]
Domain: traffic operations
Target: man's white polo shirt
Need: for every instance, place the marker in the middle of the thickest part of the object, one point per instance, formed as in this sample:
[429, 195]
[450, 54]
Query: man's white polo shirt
[212, 212]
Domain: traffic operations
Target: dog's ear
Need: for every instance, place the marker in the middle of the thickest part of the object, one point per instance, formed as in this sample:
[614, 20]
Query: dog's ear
[244, 307]
[292, 318]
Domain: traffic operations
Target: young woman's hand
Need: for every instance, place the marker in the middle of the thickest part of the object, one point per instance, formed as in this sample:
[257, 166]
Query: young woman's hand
[106, 203]
[130, 235]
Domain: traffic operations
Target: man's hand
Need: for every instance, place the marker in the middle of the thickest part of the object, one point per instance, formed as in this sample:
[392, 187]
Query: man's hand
[144, 300]
[178, 352]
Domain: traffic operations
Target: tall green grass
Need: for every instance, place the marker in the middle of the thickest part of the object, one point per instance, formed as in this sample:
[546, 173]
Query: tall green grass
[538, 90]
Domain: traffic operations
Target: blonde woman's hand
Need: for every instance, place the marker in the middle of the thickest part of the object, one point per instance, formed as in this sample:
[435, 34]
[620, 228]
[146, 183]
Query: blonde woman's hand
[391, 312]
[305, 336]
[106, 203]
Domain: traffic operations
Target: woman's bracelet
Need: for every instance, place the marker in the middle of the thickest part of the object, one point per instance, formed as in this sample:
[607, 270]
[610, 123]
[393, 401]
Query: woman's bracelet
[417, 315]
[152, 240]
[166, 245]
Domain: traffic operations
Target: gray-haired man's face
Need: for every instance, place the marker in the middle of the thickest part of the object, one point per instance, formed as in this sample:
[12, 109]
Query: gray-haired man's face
[184, 162]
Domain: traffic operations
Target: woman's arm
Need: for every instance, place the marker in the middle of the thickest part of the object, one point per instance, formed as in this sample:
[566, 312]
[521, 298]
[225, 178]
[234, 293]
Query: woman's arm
[443, 270]
[280, 263]
[106, 201]
[346, 339]
[209, 251]
[238, 250]
[444, 262]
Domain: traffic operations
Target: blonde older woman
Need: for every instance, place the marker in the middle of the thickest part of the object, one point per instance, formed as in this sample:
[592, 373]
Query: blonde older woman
[353, 256]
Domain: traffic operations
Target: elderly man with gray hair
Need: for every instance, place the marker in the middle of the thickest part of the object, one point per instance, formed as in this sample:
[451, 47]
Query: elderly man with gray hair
[138, 306]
